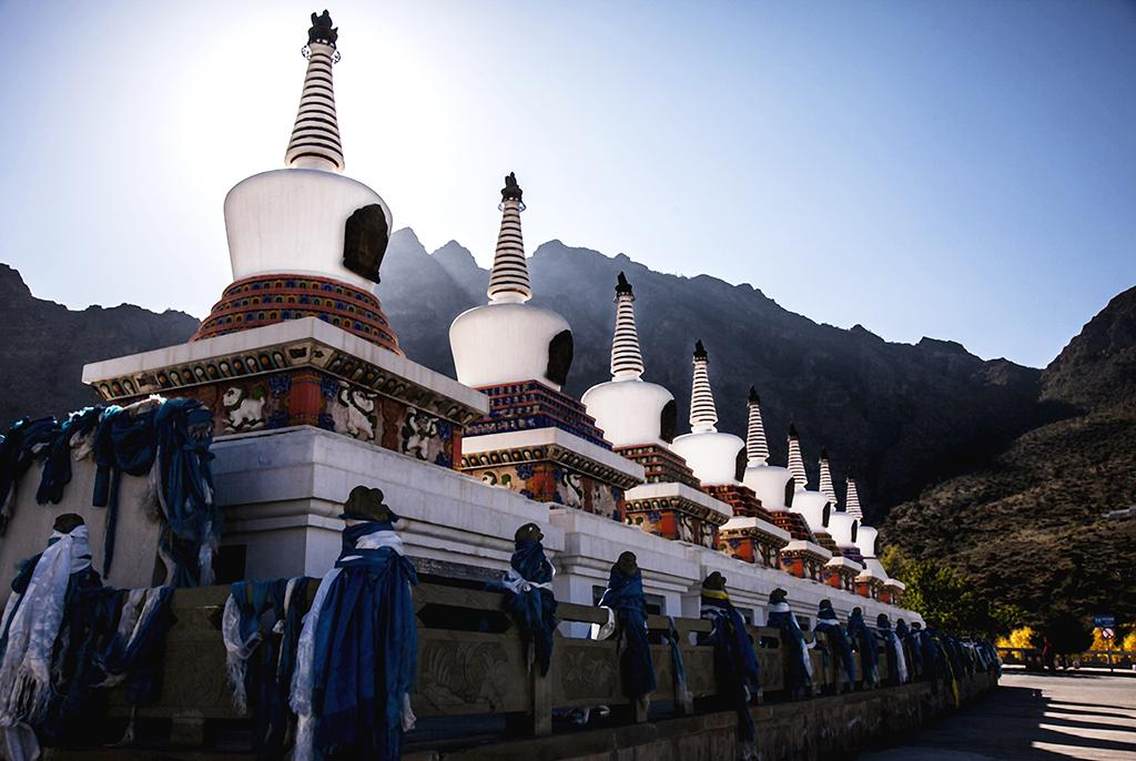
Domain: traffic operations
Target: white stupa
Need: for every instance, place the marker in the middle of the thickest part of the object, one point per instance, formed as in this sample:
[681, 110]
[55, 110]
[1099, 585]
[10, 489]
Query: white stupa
[629, 410]
[509, 340]
[711, 454]
[842, 526]
[813, 505]
[771, 483]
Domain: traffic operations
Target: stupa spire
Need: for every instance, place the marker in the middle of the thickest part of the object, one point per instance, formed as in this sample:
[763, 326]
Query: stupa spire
[826, 487]
[626, 358]
[509, 278]
[796, 460]
[315, 137]
[852, 500]
[703, 413]
[757, 448]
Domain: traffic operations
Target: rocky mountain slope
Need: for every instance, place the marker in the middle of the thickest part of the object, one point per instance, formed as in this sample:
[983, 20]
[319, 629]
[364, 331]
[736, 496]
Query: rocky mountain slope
[1030, 526]
[44, 345]
[899, 415]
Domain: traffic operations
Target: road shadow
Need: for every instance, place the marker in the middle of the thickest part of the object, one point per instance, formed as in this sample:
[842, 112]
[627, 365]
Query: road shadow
[1010, 723]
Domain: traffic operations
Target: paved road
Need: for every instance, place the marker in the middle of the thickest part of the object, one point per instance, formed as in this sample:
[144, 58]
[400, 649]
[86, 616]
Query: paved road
[1031, 716]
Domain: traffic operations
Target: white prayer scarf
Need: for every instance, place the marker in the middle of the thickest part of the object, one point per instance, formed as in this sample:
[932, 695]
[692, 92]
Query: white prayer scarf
[25, 671]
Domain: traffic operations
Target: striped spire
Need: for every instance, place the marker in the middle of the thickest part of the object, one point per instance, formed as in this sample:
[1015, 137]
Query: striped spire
[852, 500]
[703, 413]
[509, 278]
[626, 359]
[826, 487]
[757, 448]
[797, 461]
[315, 137]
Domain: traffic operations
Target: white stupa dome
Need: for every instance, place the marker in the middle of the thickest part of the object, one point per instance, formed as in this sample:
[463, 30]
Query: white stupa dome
[293, 221]
[711, 455]
[843, 528]
[815, 507]
[509, 342]
[770, 483]
[866, 541]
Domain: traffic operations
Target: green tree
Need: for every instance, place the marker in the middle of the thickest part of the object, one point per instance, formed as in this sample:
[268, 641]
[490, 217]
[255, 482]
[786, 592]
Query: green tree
[947, 598]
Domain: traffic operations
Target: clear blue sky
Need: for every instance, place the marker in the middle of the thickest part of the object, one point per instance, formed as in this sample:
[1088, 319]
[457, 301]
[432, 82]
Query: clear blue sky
[962, 170]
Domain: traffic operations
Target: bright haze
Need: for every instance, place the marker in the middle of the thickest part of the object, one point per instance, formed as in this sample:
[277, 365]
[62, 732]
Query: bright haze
[962, 170]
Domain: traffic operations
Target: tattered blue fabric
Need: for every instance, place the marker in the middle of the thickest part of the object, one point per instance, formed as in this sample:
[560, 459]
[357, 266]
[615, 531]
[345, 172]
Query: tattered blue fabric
[529, 598]
[176, 436]
[865, 642]
[269, 620]
[365, 653]
[839, 645]
[138, 620]
[678, 666]
[57, 455]
[24, 443]
[624, 595]
[125, 442]
[799, 663]
[735, 660]
[184, 434]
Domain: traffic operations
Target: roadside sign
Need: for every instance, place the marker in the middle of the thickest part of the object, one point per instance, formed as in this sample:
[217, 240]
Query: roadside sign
[1107, 633]
[1104, 621]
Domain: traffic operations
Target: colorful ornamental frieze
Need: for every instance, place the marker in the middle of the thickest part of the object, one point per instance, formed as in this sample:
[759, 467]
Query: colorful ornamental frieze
[660, 464]
[804, 559]
[740, 498]
[531, 404]
[257, 301]
[548, 465]
[304, 373]
[841, 573]
[675, 511]
[753, 540]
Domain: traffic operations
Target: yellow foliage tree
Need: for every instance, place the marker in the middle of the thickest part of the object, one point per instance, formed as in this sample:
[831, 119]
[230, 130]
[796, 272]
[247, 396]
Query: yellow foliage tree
[1020, 637]
[1130, 642]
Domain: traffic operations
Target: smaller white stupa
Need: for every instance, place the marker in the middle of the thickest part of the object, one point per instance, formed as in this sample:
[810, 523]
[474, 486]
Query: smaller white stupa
[813, 505]
[629, 410]
[711, 454]
[842, 526]
[509, 340]
[771, 483]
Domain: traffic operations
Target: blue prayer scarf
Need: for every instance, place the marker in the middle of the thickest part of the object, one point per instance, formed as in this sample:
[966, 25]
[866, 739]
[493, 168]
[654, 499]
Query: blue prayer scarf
[624, 595]
[866, 644]
[264, 608]
[735, 661]
[533, 608]
[366, 646]
[25, 442]
[794, 640]
[184, 435]
[838, 642]
[124, 443]
[178, 434]
[57, 457]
